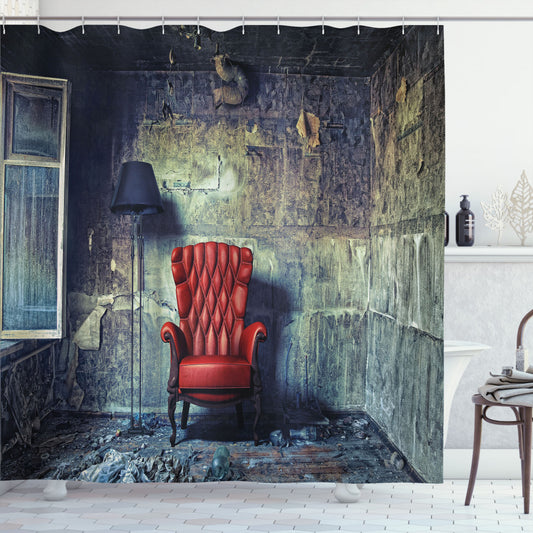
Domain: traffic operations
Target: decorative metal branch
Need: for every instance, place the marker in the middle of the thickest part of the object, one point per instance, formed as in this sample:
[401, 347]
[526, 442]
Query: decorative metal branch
[521, 208]
[496, 213]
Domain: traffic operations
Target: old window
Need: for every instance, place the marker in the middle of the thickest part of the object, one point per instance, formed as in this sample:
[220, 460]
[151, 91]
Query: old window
[32, 206]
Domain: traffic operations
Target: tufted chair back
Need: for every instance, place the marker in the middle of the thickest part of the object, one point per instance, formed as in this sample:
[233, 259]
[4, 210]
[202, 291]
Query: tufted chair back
[211, 290]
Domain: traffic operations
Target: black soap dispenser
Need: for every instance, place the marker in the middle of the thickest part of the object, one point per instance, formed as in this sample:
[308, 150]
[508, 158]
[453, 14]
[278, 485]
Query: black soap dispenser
[464, 224]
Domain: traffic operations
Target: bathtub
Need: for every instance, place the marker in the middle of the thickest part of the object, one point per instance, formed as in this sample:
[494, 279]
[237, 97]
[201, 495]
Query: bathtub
[457, 355]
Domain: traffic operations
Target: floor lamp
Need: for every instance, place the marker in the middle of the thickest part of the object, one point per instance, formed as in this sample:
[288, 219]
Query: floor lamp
[137, 194]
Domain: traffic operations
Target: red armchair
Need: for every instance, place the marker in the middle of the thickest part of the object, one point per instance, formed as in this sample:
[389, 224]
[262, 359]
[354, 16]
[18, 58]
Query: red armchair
[213, 357]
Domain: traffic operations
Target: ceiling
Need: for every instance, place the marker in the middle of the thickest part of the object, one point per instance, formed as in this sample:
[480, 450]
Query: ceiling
[337, 52]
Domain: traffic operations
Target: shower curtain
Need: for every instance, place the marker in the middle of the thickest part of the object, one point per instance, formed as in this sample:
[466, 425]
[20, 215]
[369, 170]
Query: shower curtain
[320, 149]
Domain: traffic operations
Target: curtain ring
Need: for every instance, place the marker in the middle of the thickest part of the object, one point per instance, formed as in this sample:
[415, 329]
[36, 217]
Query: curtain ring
[82, 25]
[118, 25]
[403, 25]
[278, 24]
[323, 29]
[243, 24]
[198, 25]
[358, 27]
[438, 24]
[162, 25]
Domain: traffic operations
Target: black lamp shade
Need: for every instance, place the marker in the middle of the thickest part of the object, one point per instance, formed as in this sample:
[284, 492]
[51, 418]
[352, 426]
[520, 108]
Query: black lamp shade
[137, 192]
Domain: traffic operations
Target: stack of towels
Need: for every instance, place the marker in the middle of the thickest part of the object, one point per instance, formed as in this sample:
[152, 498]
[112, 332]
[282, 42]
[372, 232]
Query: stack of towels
[510, 387]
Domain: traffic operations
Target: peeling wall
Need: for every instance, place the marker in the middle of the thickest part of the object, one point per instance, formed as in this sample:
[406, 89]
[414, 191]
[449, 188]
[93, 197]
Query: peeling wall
[405, 348]
[239, 174]
[24, 400]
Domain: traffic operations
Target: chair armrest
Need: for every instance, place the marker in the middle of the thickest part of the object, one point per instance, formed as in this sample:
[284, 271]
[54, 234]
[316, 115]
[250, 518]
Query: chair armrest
[174, 336]
[251, 335]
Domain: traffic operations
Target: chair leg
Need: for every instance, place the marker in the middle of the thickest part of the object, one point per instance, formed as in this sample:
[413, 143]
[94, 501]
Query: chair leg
[240, 415]
[257, 402]
[257, 389]
[185, 414]
[522, 458]
[475, 453]
[521, 441]
[526, 472]
[171, 411]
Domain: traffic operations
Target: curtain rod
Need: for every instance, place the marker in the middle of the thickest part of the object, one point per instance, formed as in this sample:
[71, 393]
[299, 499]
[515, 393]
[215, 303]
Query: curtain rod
[275, 20]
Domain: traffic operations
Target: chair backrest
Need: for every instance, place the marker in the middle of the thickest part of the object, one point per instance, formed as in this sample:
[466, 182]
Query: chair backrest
[211, 290]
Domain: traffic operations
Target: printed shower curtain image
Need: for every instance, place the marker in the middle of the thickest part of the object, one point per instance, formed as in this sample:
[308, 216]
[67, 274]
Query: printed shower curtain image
[322, 152]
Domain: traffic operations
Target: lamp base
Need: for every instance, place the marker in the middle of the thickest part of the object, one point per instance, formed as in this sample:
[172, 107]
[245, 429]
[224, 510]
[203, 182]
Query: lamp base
[137, 430]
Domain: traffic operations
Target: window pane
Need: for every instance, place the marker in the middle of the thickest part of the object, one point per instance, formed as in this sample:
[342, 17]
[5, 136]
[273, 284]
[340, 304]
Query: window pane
[36, 124]
[30, 248]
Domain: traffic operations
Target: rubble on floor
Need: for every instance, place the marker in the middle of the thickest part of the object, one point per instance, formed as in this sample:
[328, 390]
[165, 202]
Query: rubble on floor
[102, 449]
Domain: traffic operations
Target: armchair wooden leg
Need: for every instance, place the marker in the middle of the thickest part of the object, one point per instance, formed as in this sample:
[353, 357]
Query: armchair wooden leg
[185, 414]
[240, 415]
[171, 411]
[257, 388]
[257, 401]
[475, 453]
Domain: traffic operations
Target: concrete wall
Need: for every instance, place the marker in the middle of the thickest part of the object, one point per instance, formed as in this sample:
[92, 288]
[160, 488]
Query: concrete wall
[24, 400]
[242, 175]
[404, 373]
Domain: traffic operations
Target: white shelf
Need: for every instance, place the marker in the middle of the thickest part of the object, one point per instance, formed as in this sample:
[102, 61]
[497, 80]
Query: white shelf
[488, 254]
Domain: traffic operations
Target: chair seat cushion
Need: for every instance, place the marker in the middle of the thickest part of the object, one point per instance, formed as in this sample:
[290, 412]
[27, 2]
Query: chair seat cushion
[214, 372]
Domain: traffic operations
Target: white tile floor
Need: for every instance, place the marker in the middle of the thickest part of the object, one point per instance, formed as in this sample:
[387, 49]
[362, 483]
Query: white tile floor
[236, 507]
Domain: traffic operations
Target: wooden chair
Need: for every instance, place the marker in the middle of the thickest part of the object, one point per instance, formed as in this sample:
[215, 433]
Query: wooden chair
[523, 421]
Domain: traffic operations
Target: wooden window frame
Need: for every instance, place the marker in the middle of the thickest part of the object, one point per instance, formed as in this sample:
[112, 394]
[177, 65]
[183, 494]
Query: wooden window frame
[34, 85]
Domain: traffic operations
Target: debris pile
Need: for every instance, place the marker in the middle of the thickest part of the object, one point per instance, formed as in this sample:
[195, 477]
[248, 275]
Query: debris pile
[133, 467]
[347, 428]
[99, 448]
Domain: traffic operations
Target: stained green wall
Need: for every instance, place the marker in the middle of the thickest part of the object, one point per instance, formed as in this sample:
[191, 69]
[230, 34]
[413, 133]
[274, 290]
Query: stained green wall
[405, 349]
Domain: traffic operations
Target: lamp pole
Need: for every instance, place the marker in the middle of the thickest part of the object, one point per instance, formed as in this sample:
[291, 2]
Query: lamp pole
[140, 285]
[138, 238]
[136, 194]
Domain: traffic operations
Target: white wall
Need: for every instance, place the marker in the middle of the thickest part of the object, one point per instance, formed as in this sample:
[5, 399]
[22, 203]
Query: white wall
[489, 141]
[489, 116]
